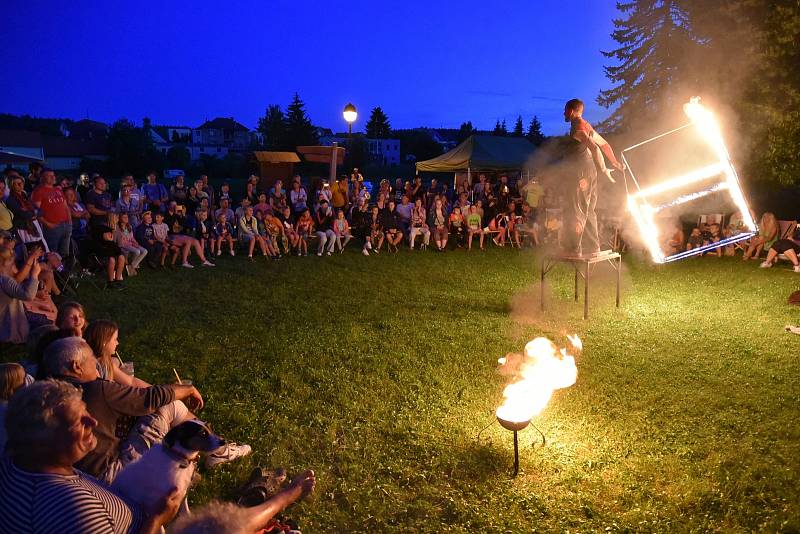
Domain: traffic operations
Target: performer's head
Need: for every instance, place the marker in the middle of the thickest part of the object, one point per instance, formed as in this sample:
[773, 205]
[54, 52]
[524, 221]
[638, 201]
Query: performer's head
[573, 109]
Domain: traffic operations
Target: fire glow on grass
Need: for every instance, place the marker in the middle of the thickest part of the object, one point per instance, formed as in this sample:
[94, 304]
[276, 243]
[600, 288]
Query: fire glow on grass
[538, 372]
[715, 177]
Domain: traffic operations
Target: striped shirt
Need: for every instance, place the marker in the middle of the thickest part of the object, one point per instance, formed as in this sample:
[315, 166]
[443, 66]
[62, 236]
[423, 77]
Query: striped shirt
[45, 503]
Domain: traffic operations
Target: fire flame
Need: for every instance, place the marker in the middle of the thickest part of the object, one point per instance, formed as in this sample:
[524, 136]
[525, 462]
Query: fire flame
[543, 369]
[644, 213]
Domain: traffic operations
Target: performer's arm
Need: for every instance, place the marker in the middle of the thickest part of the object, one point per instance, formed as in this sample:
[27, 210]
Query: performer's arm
[607, 150]
[591, 140]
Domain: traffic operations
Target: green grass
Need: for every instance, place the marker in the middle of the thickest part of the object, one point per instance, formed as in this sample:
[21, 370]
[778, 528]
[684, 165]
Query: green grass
[379, 373]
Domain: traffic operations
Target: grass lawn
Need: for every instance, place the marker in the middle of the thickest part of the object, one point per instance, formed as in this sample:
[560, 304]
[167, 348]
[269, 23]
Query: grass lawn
[379, 373]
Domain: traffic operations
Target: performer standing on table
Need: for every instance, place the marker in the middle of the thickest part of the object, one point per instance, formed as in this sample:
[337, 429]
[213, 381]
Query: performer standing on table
[586, 152]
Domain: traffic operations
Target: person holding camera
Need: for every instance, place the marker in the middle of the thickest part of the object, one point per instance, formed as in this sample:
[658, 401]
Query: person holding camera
[14, 320]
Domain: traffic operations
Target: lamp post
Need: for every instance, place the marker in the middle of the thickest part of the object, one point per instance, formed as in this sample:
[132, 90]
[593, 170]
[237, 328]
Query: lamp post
[350, 115]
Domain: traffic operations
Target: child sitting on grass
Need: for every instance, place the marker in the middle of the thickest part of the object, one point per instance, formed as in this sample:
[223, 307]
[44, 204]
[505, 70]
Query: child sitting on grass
[285, 216]
[304, 227]
[274, 229]
[123, 236]
[715, 236]
[224, 232]
[341, 228]
[103, 246]
[161, 234]
[204, 231]
[457, 224]
[376, 230]
[695, 239]
[474, 227]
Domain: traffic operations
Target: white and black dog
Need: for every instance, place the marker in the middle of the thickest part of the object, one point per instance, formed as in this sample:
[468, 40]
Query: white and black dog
[168, 465]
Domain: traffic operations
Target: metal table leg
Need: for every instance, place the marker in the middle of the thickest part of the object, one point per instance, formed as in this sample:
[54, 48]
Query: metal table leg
[541, 289]
[586, 293]
[576, 281]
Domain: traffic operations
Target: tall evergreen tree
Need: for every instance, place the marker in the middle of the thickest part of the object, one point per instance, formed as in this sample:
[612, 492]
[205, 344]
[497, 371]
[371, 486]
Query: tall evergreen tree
[378, 126]
[518, 127]
[299, 130]
[464, 131]
[273, 126]
[649, 75]
[500, 128]
[535, 134]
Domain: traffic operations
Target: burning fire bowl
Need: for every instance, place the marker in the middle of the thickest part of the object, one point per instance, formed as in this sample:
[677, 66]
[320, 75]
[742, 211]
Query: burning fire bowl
[512, 425]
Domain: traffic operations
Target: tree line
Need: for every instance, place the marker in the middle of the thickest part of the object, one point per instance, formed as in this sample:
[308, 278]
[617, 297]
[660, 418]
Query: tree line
[740, 56]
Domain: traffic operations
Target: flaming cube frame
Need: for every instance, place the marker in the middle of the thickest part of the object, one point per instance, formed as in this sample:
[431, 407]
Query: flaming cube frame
[718, 176]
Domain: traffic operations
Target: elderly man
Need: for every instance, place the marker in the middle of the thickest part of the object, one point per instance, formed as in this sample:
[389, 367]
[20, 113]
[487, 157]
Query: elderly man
[49, 430]
[109, 403]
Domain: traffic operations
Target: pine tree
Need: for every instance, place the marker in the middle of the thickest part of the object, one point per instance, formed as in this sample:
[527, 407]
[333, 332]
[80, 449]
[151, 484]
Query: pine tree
[535, 134]
[378, 126]
[500, 129]
[518, 128]
[299, 130]
[464, 131]
[273, 126]
[650, 74]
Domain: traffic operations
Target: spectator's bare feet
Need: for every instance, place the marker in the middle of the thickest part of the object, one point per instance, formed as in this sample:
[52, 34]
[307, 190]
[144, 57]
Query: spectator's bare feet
[306, 481]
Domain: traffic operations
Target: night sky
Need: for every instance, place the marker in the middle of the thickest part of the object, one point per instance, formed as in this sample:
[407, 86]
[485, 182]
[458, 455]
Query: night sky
[426, 63]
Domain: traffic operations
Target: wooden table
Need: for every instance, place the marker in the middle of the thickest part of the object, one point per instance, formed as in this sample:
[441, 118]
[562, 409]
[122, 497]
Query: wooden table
[583, 267]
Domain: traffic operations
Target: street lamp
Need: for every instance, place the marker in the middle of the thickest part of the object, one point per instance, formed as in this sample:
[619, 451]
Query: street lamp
[350, 115]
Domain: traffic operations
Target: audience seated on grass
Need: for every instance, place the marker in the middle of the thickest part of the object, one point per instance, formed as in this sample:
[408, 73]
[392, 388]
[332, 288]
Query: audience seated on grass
[156, 409]
[157, 225]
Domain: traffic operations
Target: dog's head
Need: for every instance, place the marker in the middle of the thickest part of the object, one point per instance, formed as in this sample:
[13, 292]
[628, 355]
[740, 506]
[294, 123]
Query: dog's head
[193, 435]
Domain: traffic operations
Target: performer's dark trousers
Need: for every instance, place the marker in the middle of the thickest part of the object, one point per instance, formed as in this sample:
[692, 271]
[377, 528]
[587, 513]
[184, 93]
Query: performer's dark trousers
[582, 204]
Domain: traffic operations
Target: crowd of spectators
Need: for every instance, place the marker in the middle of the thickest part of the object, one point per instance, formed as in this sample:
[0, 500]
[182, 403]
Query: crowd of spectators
[778, 243]
[152, 224]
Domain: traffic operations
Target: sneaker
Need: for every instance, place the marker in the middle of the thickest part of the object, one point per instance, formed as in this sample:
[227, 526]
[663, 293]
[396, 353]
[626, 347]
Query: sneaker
[365, 252]
[319, 254]
[208, 264]
[219, 252]
[766, 265]
[227, 453]
[233, 253]
[329, 253]
[187, 265]
[796, 268]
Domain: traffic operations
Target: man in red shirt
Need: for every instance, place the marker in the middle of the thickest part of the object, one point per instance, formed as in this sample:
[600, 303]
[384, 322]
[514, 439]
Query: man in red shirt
[586, 158]
[54, 214]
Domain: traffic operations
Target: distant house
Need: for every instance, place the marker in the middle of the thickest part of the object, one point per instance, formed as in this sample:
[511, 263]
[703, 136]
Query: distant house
[216, 138]
[87, 130]
[22, 142]
[385, 152]
[223, 132]
[66, 153]
[58, 153]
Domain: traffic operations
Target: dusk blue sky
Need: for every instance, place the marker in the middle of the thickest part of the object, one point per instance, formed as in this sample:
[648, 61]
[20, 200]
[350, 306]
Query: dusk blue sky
[426, 63]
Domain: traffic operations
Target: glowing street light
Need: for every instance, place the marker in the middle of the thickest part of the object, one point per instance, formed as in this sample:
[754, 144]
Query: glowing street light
[350, 115]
